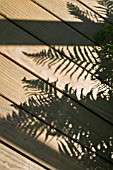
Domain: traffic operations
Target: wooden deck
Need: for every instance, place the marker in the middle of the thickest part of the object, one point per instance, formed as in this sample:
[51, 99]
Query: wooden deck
[56, 102]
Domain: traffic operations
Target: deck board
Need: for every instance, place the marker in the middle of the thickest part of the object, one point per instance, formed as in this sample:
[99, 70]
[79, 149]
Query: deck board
[76, 120]
[49, 74]
[61, 65]
[45, 32]
[42, 152]
[98, 6]
[77, 16]
[10, 159]
[46, 73]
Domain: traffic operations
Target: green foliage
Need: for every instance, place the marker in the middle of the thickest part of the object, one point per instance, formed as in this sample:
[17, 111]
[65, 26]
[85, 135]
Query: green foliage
[105, 36]
[105, 39]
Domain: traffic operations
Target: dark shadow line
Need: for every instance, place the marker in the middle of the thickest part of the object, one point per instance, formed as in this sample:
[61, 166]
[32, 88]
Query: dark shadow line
[51, 85]
[23, 154]
[59, 131]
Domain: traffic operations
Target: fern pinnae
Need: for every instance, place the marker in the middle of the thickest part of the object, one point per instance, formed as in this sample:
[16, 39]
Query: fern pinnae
[60, 65]
[42, 56]
[55, 59]
[93, 59]
[70, 54]
[93, 69]
[71, 75]
[99, 20]
[77, 12]
[34, 131]
[43, 61]
[41, 131]
[82, 72]
[85, 76]
[76, 54]
[81, 56]
[65, 150]
[37, 57]
[86, 55]
[70, 147]
[69, 69]
[66, 66]
[90, 56]
[94, 17]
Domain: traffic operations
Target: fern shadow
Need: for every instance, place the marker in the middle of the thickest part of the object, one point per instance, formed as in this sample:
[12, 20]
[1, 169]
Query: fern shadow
[75, 129]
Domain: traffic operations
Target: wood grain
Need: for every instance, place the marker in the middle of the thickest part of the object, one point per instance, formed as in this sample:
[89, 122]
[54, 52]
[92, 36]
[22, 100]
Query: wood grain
[45, 72]
[43, 152]
[76, 15]
[50, 33]
[83, 131]
[9, 160]
[89, 84]
[84, 118]
[98, 7]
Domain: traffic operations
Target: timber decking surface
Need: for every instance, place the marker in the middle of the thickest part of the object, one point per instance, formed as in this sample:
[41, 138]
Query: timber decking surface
[56, 105]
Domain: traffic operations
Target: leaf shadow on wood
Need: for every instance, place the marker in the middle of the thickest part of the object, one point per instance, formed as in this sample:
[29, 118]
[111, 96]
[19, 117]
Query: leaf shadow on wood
[79, 63]
[80, 135]
[106, 9]
[84, 15]
[87, 138]
[83, 61]
[87, 62]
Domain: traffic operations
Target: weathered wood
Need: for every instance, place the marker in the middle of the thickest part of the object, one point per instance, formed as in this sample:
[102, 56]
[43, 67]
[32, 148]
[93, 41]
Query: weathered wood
[74, 123]
[45, 72]
[101, 8]
[76, 15]
[75, 76]
[78, 118]
[45, 26]
[88, 11]
[39, 150]
[10, 159]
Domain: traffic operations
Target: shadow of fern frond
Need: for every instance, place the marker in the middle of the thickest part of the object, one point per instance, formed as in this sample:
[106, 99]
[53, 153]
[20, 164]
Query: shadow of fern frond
[106, 9]
[64, 114]
[84, 63]
[40, 90]
[49, 56]
[78, 57]
[84, 15]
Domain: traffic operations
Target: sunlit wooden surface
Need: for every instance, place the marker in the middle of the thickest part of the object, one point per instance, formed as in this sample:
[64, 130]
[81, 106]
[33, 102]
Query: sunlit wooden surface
[56, 107]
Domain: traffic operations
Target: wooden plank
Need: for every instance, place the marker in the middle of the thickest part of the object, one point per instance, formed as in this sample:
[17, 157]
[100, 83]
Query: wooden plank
[81, 121]
[101, 7]
[10, 159]
[78, 85]
[76, 15]
[41, 151]
[87, 84]
[41, 24]
[88, 11]
[23, 143]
